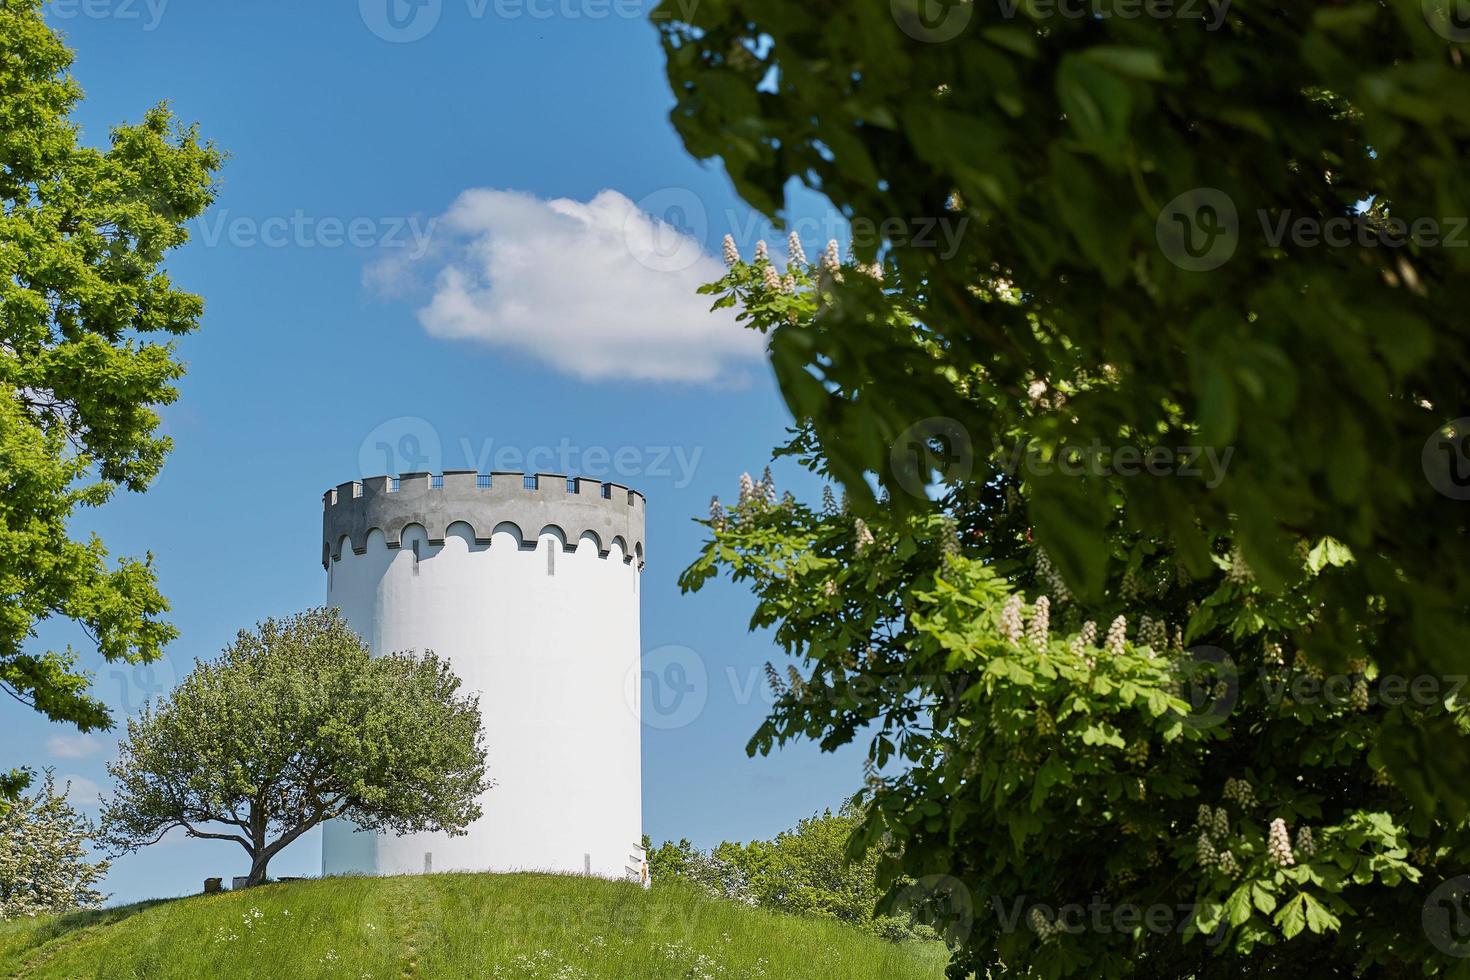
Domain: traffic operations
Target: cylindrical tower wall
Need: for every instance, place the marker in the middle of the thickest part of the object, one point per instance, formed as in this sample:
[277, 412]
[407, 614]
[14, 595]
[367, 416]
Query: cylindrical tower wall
[532, 595]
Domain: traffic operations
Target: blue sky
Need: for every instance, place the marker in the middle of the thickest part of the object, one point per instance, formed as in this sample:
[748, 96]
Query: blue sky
[357, 299]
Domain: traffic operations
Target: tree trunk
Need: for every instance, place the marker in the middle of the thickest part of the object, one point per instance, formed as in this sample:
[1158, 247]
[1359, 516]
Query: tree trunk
[260, 855]
[257, 871]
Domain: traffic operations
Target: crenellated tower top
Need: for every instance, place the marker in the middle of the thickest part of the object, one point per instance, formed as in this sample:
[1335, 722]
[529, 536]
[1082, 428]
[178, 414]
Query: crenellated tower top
[532, 502]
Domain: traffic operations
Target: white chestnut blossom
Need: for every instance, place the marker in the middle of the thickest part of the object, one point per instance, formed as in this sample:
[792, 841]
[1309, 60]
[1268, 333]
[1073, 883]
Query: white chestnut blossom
[1278, 844]
[1204, 852]
[794, 253]
[732, 254]
[1239, 572]
[831, 259]
[1047, 572]
[1039, 629]
[1011, 626]
[1239, 792]
[1117, 636]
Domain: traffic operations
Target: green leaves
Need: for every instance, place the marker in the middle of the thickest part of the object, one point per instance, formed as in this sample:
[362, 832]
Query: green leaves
[82, 236]
[1135, 188]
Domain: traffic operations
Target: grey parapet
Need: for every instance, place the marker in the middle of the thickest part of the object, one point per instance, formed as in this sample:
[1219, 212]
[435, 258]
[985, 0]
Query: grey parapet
[532, 503]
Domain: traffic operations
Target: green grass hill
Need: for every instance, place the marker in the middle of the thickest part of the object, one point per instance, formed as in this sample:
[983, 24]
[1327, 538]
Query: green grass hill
[454, 926]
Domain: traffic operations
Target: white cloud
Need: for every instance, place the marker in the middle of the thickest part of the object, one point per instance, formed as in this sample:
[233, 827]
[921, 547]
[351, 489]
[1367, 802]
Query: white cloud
[83, 792]
[78, 746]
[599, 290]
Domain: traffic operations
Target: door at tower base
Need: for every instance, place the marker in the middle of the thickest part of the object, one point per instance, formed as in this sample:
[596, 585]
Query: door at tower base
[540, 621]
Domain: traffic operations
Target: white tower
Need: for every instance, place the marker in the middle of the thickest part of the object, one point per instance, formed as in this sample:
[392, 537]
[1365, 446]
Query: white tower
[529, 586]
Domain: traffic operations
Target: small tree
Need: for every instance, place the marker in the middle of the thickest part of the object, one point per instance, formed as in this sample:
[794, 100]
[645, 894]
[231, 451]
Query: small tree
[43, 856]
[295, 724]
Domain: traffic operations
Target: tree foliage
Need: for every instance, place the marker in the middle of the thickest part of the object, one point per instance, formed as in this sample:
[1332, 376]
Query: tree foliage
[82, 238]
[44, 846]
[294, 724]
[1088, 162]
[806, 870]
[1167, 748]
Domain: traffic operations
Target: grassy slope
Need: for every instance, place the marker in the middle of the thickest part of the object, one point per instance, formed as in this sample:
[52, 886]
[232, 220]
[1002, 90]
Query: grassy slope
[454, 925]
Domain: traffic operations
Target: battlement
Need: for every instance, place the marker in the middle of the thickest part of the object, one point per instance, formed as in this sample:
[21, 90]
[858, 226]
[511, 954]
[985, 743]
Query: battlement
[533, 502]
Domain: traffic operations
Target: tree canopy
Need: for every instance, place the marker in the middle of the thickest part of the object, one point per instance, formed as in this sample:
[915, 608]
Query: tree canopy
[294, 724]
[1126, 785]
[45, 847]
[82, 239]
[1234, 228]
